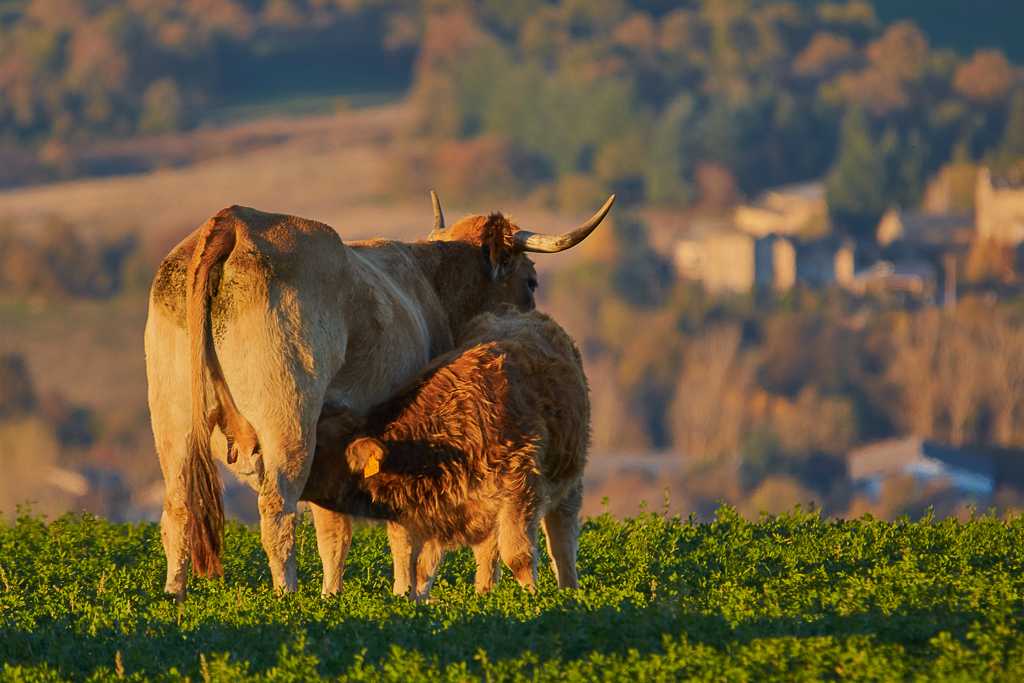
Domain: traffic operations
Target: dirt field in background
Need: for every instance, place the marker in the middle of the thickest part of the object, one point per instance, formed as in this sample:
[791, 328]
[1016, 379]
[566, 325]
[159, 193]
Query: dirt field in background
[330, 168]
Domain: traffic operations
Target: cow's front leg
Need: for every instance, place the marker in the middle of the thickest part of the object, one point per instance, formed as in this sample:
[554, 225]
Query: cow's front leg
[333, 538]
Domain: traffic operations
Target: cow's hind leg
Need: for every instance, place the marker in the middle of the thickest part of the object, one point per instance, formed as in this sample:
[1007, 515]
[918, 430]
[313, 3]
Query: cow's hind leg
[170, 444]
[333, 538]
[172, 532]
[167, 374]
[562, 530]
[278, 520]
[287, 463]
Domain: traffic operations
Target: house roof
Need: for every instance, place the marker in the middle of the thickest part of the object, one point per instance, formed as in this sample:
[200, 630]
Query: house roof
[934, 230]
[924, 460]
[813, 190]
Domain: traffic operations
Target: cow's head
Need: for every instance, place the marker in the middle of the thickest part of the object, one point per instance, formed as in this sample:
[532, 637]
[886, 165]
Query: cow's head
[505, 245]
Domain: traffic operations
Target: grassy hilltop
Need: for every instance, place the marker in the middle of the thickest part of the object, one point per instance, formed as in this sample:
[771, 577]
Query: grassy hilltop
[541, 109]
[787, 598]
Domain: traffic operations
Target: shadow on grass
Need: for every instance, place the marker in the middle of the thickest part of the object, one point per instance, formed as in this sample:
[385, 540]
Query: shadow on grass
[567, 634]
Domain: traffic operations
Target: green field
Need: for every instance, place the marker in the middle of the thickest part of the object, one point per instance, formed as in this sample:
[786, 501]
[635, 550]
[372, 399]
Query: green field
[787, 598]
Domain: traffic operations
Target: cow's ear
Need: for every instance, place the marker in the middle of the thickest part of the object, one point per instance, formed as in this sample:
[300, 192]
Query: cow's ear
[361, 452]
[501, 248]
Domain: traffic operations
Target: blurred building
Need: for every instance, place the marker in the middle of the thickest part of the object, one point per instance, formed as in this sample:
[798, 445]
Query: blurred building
[99, 491]
[999, 209]
[925, 461]
[925, 232]
[775, 263]
[826, 261]
[790, 210]
[917, 278]
[722, 260]
[781, 240]
[772, 243]
[731, 261]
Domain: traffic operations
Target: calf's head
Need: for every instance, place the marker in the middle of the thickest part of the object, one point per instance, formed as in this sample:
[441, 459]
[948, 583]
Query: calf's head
[365, 455]
[343, 451]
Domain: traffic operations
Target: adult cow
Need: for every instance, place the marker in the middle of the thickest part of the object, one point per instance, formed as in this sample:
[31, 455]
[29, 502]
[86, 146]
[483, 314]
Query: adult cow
[256, 319]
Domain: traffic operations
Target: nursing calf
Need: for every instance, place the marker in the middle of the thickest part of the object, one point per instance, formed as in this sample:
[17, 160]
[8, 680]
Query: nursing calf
[487, 444]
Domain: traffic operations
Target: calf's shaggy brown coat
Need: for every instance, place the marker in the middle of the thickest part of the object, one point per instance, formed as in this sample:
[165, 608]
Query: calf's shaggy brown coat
[488, 443]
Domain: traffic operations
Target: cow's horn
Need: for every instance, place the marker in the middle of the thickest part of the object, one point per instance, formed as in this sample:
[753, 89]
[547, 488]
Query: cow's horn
[438, 216]
[549, 244]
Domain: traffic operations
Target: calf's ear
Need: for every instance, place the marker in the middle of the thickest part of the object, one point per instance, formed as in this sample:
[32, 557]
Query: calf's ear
[362, 451]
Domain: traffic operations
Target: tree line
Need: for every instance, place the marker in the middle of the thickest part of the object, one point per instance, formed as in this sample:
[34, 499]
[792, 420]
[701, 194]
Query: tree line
[76, 70]
[663, 103]
[703, 101]
[59, 262]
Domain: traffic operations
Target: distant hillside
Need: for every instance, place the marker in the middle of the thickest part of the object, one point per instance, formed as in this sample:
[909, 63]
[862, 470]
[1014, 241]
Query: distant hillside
[702, 102]
[662, 102]
[962, 26]
[73, 72]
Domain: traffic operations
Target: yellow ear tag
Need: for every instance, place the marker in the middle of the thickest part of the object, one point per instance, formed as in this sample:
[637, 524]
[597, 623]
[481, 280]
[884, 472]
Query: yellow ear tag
[372, 467]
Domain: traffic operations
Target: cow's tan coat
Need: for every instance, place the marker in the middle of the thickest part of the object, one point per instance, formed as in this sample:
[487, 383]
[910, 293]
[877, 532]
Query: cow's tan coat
[262, 317]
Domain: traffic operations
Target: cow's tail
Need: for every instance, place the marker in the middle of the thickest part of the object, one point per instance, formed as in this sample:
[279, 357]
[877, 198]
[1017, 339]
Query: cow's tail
[203, 495]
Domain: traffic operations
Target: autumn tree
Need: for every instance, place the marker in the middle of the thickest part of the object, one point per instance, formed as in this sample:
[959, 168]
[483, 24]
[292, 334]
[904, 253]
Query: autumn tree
[708, 411]
[959, 371]
[825, 52]
[913, 370]
[17, 395]
[986, 78]
[856, 185]
[1012, 147]
[1003, 352]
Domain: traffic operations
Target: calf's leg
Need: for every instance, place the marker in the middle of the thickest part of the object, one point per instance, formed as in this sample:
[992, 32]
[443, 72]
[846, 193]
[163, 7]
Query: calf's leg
[333, 539]
[517, 544]
[427, 566]
[488, 566]
[404, 553]
[562, 530]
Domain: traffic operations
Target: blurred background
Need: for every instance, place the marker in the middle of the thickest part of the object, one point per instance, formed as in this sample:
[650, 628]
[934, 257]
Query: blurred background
[809, 290]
